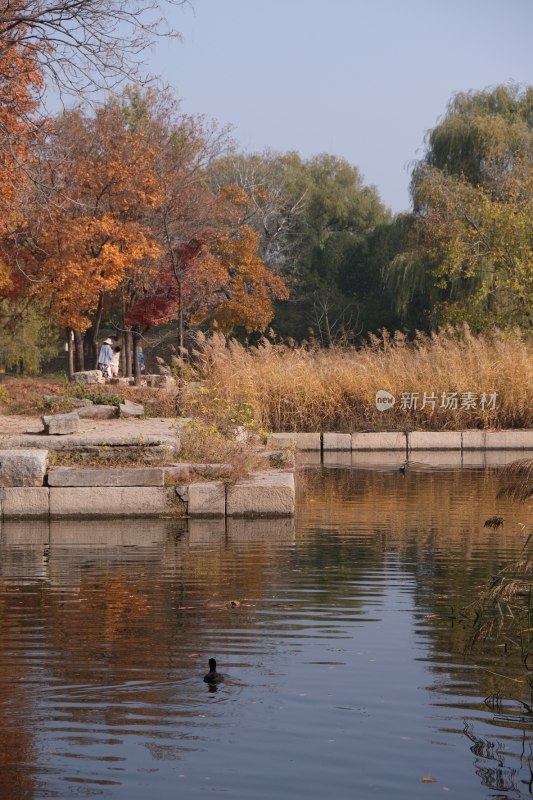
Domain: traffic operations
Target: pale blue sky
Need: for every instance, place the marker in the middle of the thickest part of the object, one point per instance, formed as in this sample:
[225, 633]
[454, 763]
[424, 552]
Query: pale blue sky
[362, 79]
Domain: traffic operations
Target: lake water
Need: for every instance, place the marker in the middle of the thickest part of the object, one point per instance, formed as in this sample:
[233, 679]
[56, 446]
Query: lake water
[340, 637]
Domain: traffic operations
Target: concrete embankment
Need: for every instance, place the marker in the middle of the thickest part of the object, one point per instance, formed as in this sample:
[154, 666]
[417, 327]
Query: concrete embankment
[405, 441]
[393, 449]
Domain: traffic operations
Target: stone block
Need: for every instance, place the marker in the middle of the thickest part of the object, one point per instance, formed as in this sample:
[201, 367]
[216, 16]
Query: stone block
[473, 440]
[434, 440]
[379, 440]
[509, 440]
[97, 412]
[300, 441]
[25, 502]
[212, 471]
[276, 440]
[337, 441]
[497, 440]
[88, 376]
[80, 402]
[178, 472]
[23, 467]
[185, 471]
[58, 424]
[122, 381]
[115, 501]
[182, 490]
[207, 499]
[262, 494]
[129, 409]
[114, 476]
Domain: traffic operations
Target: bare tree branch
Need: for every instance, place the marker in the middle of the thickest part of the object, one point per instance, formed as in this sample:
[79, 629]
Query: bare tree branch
[85, 45]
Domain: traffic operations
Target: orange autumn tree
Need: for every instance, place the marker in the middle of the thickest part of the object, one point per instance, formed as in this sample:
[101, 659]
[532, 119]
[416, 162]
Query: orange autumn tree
[184, 145]
[219, 278]
[21, 81]
[231, 284]
[93, 229]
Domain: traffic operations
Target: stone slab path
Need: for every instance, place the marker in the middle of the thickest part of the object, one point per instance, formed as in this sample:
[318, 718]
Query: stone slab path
[11, 425]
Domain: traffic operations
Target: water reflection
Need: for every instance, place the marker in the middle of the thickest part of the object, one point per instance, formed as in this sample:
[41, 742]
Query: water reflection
[341, 638]
[393, 459]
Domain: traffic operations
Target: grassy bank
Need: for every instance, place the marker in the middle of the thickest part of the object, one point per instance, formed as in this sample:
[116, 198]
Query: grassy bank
[284, 388]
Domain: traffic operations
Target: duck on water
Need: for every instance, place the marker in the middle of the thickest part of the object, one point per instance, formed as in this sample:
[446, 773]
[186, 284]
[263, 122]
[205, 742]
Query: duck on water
[213, 676]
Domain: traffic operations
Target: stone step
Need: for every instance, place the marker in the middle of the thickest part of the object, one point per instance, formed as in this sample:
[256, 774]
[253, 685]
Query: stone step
[116, 501]
[262, 494]
[114, 476]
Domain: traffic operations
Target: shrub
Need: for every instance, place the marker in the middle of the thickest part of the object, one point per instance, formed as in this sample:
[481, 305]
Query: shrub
[204, 443]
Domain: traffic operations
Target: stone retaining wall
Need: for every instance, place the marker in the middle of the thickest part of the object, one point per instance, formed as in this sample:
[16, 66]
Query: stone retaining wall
[405, 441]
[29, 491]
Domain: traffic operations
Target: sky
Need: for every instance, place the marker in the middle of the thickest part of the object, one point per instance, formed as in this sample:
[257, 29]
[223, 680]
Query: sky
[360, 79]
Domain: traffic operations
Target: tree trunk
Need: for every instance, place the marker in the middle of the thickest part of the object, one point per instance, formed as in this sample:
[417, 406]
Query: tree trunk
[71, 349]
[124, 343]
[128, 347]
[136, 365]
[180, 318]
[181, 338]
[78, 343]
[92, 333]
[123, 361]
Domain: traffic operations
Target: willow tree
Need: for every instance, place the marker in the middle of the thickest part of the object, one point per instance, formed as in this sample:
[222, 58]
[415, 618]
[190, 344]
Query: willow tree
[477, 127]
[473, 205]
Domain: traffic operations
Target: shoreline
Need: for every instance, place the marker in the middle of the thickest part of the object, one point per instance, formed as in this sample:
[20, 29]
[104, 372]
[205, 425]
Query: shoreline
[31, 487]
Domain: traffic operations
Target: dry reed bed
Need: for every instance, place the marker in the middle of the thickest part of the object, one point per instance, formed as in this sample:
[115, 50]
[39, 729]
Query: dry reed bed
[306, 388]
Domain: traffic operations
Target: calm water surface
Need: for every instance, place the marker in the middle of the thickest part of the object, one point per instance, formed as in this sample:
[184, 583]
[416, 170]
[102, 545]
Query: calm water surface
[344, 658]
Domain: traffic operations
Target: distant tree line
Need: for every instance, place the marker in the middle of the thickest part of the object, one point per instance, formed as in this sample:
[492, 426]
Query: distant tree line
[464, 252]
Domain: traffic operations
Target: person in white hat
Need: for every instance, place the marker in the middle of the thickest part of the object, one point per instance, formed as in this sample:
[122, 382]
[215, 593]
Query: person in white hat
[104, 357]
